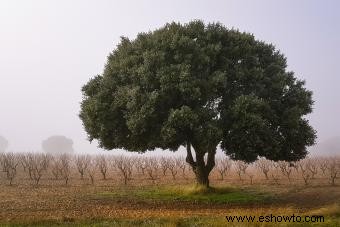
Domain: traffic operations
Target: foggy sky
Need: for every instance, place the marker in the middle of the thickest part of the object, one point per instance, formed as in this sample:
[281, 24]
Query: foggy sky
[49, 49]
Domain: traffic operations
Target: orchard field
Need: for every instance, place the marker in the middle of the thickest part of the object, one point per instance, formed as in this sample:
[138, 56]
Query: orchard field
[108, 190]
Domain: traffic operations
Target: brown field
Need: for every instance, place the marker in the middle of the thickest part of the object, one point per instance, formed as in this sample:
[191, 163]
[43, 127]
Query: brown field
[154, 199]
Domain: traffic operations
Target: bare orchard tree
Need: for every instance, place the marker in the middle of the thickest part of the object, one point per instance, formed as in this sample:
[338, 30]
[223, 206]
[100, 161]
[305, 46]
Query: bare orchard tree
[275, 172]
[141, 164]
[172, 167]
[1, 159]
[9, 163]
[2, 162]
[134, 162]
[323, 163]
[164, 164]
[82, 162]
[182, 164]
[124, 165]
[152, 168]
[65, 161]
[312, 165]
[223, 166]
[251, 174]
[241, 167]
[102, 165]
[305, 172]
[56, 167]
[333, 169]
[286, 169]
[137, 164]
[24, 161]
[264, 166]
[37, 165]
[91, 169]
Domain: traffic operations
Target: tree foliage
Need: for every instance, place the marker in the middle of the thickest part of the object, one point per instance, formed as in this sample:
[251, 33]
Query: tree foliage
[58, 145]
[202, 85]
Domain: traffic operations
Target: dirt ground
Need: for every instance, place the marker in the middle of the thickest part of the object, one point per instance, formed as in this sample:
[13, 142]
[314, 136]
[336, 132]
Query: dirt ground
[53, 200]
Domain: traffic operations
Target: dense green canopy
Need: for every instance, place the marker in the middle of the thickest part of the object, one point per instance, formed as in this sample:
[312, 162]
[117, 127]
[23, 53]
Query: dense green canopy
[199, 84]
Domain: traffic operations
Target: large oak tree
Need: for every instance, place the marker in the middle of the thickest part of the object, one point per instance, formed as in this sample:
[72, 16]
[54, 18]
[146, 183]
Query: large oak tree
[199, 86]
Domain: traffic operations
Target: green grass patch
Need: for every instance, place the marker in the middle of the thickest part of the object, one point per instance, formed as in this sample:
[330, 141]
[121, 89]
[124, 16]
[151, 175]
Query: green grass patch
[193, 194]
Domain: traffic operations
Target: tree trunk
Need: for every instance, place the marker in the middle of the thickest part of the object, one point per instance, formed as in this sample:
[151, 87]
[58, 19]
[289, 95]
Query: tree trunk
[200, 168]
[202, 176]
[266, 175]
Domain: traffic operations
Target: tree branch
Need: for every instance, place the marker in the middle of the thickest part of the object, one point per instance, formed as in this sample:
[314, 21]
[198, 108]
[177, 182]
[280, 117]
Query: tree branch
[211, 160]
[189, 159]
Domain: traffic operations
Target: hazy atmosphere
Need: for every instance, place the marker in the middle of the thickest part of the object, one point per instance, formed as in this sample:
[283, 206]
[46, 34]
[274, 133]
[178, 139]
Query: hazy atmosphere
[242, 95]
[49, 49]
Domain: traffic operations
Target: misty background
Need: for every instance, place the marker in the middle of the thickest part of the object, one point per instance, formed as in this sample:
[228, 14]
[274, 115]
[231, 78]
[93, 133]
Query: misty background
[49, 49]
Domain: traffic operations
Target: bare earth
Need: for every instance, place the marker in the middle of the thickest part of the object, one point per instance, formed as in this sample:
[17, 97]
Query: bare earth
[52, 200]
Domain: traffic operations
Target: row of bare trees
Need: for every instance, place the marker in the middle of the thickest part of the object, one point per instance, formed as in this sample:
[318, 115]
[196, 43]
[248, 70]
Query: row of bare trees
[307, 169]
[37, 165]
